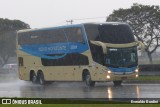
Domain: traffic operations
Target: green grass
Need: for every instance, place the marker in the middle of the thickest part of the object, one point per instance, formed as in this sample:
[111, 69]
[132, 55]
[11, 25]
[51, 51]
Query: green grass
[149, 78]
[86, 105]
[140, 78]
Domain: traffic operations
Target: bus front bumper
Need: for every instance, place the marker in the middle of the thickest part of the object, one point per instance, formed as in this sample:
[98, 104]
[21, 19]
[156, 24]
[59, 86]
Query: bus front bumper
[121, 77]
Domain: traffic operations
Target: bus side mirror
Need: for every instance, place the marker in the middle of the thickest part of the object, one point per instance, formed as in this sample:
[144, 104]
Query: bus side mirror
[142, 46]
[98, 43]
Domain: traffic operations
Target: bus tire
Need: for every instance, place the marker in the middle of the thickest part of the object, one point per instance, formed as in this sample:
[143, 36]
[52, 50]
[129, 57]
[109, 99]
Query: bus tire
[33, 77]
[41, 79]
[117, 83]
[88, 80]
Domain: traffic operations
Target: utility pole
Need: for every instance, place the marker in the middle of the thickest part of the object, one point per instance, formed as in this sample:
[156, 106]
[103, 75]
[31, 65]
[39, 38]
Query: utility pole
[69, 21]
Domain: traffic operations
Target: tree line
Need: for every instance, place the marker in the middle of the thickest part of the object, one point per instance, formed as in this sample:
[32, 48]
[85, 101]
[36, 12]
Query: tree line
[145, 23]
[8, 30]
[143, 19]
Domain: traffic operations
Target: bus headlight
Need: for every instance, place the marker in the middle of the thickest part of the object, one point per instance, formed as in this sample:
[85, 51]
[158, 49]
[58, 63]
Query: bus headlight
[108, 77]
[137, 70]
[109, 71]
[136, 75]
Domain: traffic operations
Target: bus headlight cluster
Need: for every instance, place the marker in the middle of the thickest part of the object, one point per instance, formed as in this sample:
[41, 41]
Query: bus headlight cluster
[136, 75]
[109, 71]
[108, 77]
[137, 70]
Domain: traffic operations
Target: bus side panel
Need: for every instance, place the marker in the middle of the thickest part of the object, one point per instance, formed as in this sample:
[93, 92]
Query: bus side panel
[22, 74]
[58, 73]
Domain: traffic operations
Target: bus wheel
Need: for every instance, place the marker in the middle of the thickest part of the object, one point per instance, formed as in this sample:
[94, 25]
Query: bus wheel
[88, 80]
[41, 79]
[33, 77]
[117, 83]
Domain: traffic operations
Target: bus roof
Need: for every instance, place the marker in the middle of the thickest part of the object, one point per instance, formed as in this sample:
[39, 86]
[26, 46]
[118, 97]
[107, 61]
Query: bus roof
[66, 26]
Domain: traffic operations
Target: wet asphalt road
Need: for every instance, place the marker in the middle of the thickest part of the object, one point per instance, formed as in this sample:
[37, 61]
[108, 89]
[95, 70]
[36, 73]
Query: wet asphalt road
[19, 88]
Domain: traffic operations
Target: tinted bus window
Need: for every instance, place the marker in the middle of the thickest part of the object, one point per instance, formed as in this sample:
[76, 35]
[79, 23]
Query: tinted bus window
[92, 32]
[74, 34]
[42, 37]
[69, 60]
[20, 61]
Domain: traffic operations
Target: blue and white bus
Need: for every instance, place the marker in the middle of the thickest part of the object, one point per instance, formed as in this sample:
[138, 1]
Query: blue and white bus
[90, 52]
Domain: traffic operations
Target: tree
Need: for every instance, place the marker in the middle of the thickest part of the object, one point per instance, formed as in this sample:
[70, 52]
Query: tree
[8, 37]
[145, 23]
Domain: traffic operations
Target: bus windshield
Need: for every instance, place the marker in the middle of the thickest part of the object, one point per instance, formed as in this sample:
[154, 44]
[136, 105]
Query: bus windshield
[116, 34]
[121, 57]
[110, 33]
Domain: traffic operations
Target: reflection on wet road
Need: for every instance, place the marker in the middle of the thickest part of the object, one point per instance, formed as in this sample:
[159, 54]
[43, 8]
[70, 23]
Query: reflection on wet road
[18, 88]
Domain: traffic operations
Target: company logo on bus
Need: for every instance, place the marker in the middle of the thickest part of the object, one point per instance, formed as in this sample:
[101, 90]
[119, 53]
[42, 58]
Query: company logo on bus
[42, 50]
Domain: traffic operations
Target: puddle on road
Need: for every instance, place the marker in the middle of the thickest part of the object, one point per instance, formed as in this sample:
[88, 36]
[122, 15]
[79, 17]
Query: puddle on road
[13, 87]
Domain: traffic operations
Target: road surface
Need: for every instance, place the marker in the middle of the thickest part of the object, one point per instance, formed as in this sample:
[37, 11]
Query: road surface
[19, 88]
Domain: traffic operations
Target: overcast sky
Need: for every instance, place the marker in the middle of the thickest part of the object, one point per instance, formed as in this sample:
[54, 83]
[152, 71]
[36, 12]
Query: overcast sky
[47, 13]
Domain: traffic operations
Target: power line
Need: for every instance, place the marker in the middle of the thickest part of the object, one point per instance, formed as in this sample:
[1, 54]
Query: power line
[90, 18]
[71, 20]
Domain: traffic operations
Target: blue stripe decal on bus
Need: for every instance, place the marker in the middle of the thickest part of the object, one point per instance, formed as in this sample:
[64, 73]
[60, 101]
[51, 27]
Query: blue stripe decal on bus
[122, 69]
[42, 50]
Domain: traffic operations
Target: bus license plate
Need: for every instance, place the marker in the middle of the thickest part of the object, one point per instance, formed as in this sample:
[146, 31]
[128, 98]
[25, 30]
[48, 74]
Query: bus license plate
[124, 78]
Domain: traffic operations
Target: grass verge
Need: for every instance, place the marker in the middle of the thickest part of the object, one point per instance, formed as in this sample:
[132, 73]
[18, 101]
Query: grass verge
[148, 78]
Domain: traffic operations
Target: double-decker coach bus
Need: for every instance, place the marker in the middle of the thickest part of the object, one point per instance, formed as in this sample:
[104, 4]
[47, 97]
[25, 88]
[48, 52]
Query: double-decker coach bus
[90, 52]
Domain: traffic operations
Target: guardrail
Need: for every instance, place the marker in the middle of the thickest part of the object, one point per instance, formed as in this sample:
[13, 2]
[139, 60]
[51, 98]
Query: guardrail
[149, 73]
[149, 69]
